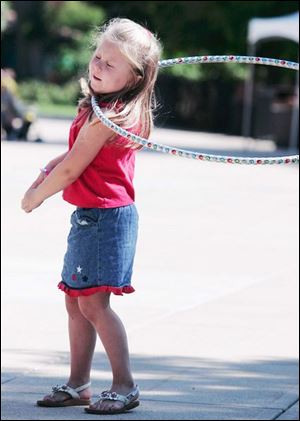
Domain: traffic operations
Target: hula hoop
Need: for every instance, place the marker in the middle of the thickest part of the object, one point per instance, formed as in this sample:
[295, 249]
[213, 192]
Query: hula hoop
[192, 154]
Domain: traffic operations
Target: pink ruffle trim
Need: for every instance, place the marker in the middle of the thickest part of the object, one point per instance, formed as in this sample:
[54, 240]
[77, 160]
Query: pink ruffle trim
[89, 291]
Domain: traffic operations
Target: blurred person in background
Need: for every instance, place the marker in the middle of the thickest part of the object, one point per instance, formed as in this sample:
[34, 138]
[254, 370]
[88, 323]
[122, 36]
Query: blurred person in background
[16, 118]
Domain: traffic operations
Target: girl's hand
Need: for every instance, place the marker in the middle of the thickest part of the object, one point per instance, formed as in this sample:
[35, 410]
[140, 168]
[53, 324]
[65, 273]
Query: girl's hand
[30, 201]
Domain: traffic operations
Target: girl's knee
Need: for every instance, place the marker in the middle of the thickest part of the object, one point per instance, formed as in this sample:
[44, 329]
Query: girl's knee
[72, 306]
[93, 306]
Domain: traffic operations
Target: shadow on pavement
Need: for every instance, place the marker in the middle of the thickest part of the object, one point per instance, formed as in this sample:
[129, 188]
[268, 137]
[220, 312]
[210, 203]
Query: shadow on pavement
[171, 387]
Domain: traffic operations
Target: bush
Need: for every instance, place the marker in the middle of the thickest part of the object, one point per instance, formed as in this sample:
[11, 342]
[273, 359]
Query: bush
[33, 91]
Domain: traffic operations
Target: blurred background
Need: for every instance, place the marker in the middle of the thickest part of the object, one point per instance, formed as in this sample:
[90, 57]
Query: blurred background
[46, 48]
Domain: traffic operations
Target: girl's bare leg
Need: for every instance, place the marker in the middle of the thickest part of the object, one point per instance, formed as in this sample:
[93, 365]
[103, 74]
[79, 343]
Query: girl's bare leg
[82, 336]
[96, 309]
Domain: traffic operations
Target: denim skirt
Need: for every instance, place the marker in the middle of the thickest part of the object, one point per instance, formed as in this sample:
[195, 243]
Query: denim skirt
[100, 252]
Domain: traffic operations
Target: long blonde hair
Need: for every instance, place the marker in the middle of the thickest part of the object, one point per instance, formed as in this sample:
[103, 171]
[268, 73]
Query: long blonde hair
[142, 49]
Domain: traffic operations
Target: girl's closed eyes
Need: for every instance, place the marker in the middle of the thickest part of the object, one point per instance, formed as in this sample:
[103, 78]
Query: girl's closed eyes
[99, 58]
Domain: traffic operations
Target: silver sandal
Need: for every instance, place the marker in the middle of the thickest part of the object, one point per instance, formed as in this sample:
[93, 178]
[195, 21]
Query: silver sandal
[74, 398]
[128, 401]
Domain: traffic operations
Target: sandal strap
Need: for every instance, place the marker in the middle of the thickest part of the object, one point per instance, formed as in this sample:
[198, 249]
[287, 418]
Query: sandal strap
[83, 387]
[70, 390]
[113, 396]
[133, 392]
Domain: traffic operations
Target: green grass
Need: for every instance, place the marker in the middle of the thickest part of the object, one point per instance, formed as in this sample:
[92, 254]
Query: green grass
[56, 110]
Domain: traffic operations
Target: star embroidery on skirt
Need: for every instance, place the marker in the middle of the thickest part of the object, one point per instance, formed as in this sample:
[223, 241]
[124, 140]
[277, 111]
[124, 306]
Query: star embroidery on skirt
[79, 269]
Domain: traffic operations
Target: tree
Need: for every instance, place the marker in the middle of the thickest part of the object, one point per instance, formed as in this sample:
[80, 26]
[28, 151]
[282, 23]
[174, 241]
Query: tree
[49, 38]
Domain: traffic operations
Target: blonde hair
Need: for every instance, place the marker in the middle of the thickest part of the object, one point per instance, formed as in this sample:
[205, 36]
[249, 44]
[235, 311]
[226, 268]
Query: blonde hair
[142, 49]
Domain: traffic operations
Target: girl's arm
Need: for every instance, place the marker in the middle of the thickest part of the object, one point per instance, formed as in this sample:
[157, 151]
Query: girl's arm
[90, 140]
[49, 167]
[52, 164]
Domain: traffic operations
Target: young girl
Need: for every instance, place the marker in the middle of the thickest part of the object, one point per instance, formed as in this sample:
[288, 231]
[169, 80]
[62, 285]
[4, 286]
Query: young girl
[96, 175]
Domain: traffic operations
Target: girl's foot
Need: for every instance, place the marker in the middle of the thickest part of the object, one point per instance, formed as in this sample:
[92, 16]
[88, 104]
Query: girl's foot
[129, 400]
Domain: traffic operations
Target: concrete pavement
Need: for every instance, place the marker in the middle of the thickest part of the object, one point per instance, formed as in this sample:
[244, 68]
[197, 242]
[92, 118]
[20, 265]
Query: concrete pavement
[213, 324]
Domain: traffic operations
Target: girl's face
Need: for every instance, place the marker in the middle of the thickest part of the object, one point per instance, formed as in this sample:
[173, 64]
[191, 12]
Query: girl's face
[108, 69]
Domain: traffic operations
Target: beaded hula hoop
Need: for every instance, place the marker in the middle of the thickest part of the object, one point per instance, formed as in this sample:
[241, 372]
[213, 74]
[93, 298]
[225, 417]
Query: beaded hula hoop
[201, 156]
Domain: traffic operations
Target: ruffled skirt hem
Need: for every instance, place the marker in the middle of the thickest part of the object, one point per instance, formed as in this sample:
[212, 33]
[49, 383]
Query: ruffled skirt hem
[127, 289]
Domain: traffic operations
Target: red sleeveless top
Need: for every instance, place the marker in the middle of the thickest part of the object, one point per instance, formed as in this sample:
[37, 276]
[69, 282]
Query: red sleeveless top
[107, 182]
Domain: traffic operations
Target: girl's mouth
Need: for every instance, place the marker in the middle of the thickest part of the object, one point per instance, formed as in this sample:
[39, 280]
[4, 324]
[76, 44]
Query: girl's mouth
[96, 78]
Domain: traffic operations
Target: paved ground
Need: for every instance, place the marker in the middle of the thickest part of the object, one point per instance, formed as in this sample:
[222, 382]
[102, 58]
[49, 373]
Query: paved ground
[213, 325]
